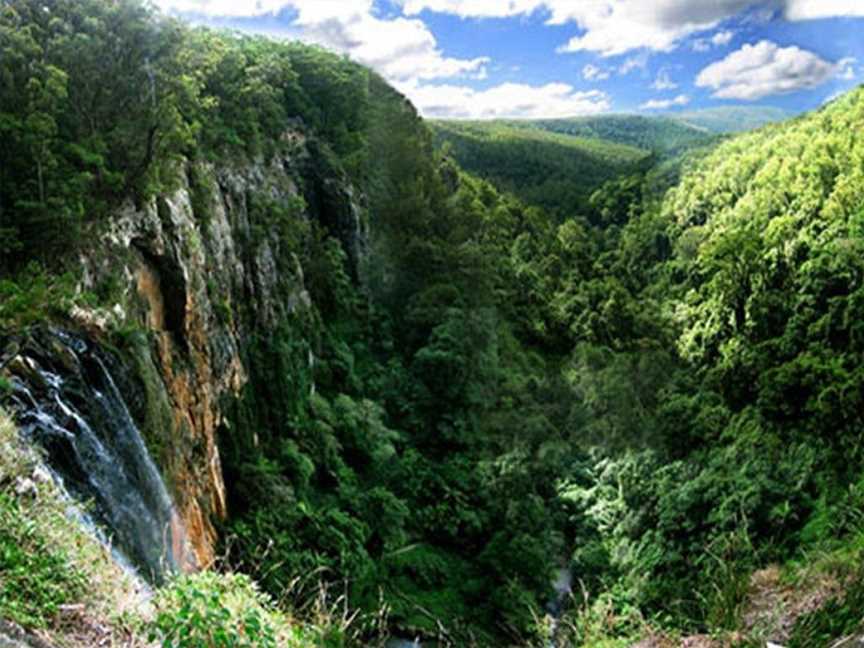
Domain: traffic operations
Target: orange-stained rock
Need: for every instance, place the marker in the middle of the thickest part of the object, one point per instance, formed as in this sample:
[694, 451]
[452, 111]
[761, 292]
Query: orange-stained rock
[182, 274]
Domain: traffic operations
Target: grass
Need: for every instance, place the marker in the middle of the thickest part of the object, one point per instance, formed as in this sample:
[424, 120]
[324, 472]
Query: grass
[228, 610]
[838, 617]
[35, 578]
[57, 580]
[54, 576]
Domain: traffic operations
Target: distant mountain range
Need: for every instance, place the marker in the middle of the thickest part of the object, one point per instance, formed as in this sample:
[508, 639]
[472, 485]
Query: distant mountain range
[732, 119]
[559, 163]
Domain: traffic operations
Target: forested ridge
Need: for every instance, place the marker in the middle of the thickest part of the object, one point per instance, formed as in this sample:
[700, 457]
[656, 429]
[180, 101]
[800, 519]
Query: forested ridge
[543, 166]
[732, 119]
[645, 368]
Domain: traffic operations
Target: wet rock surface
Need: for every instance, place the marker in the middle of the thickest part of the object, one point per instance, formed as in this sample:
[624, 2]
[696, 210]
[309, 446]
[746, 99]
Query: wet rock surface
[198, 273]
[66, 400]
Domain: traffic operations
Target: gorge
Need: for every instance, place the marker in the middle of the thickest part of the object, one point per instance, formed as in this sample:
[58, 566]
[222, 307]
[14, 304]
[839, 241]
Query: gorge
[318, 385]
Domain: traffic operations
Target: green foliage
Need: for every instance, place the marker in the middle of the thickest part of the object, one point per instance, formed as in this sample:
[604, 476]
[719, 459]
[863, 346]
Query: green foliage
[838, 618]
[214, 611]
[662, 391]
[35, 578]
[85, 130]
[523, 342]
[557, 172]
[33, 294]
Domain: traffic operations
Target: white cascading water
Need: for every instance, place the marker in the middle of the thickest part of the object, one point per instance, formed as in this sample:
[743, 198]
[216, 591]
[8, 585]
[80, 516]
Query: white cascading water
[66, 400]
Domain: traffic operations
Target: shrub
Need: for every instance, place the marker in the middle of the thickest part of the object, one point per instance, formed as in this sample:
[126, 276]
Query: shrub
[209, 610]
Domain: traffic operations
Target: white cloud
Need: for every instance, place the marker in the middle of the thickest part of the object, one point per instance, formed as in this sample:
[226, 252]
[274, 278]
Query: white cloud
[664, 81]
[764, 69]
[227, 7]
[846, 68]
[815, 9]
[594, 73]
[639, 62]
[719, 39]
[722, 38]
[400, 48]
[474, 8]
[611, 27]
[616, 26]
[663, 104]
[508, 100]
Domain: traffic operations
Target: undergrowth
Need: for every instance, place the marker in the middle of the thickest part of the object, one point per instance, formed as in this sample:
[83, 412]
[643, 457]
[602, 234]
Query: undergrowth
[50, 565]
[36, 578]
[839, 617]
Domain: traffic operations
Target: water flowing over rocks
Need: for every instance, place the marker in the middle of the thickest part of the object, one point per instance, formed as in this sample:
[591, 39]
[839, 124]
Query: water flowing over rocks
[192, 276]
[66, 400]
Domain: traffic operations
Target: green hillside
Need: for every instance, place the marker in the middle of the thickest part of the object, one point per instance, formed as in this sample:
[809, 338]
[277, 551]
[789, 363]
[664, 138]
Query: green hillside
[556, 171]
[745, 450]
[732, 119]
[394, 389]
[662, 135]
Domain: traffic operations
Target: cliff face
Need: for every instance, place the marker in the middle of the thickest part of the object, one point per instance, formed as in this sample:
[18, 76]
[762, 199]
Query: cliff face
[195, 274]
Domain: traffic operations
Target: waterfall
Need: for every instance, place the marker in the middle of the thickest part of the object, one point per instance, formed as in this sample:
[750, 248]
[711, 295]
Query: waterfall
[65, 399]
[562, 585]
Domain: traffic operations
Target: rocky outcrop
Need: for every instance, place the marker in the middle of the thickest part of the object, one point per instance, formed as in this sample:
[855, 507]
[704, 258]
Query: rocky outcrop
[11, 636]
[192, 275]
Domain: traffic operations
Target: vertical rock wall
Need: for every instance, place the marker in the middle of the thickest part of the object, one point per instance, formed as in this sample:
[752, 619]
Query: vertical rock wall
[194, 275]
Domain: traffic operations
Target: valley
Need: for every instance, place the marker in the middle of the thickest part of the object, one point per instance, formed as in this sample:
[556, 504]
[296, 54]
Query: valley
[283, 363]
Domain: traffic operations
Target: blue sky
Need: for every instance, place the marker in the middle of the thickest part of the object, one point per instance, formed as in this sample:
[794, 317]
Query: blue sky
[556, 58]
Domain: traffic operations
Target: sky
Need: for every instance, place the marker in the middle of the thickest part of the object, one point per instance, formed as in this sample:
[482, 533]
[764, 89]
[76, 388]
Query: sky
[485, 59]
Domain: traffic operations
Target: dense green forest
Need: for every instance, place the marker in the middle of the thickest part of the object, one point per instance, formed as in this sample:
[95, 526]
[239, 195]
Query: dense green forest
[542, 167]
[558, 164]
[660, 390]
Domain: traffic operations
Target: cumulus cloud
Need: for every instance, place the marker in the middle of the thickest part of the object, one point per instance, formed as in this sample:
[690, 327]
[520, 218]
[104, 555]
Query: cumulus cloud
[846, 68]
[399, 48]
[474, 8]
[226, 8]
[663, 104]
[815, 9]
[610, 27]
[764, 69]
[613, 27]
[722, 38]
[639, 62]
[508, 100]
[594, 73]
[664, 81]
[719, 39]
